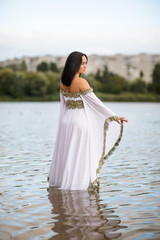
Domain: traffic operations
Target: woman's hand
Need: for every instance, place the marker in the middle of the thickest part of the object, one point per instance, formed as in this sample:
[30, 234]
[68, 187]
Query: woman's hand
[122, 119]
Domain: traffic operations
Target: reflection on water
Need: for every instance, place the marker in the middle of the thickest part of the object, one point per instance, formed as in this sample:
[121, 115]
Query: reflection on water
[126, 206]
[81, 215]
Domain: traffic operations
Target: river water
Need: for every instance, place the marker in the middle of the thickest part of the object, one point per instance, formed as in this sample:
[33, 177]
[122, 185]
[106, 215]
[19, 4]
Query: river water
[127, 203]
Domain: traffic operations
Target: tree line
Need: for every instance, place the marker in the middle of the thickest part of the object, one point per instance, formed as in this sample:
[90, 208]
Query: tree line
[16, 81]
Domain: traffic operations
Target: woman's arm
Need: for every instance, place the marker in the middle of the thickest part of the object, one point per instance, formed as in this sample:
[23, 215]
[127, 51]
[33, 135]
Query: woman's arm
[84, 86]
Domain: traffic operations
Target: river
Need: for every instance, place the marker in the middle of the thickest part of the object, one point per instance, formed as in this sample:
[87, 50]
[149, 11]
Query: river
[126, 205]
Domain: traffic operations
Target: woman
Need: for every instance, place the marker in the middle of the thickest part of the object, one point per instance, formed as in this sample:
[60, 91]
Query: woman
[87, 133]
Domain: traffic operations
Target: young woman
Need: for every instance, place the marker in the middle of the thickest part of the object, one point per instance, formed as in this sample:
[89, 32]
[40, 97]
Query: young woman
[87, 133]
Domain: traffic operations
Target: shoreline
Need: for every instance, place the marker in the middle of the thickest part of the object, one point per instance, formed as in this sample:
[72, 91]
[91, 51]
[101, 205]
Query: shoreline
[105, 97]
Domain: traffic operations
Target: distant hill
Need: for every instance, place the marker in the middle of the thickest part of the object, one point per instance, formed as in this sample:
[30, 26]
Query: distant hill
[128, 66]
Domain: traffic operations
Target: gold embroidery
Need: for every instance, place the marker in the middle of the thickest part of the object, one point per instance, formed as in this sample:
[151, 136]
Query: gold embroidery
[103, 157]
[77, 94]
[71, 104]
[116, 118]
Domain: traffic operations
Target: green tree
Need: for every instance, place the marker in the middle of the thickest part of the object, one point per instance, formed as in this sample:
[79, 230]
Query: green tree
[150, 87]
[98, 76]
[138, 86]
[23, 66]
[156, 78]
[93, 82]
[54, 67]
[53, 81]
[20, 84]
[14, 67]
[36, 84]
[12, 83]
[6, 78]
[17, 87]
[102, 75]
[116, 84]
[110, 82]
[43, 67]
[141, 74]
[106, 75]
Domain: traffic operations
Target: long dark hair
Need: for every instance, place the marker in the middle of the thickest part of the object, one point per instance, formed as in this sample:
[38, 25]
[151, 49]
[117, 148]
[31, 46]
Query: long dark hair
[71, 67]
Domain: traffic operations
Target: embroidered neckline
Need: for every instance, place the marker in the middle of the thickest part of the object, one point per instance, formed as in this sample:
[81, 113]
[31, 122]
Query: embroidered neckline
[76, 94]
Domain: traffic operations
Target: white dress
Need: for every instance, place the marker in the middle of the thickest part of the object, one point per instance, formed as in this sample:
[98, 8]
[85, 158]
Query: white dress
[87, 133]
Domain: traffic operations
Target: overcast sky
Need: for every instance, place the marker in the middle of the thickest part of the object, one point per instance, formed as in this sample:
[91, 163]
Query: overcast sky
[105, 27]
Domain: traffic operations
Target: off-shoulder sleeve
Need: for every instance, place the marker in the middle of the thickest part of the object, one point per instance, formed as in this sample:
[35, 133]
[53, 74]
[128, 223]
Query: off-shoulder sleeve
[93, 101]
[105, 132]
[62, 110]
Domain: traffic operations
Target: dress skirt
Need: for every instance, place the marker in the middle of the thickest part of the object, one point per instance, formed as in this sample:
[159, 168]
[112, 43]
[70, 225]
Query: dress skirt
[87, 133]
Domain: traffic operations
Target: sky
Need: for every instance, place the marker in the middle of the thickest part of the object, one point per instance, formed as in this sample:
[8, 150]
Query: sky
[105, 27]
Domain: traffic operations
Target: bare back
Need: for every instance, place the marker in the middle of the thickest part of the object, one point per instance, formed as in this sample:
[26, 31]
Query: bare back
[77, 85]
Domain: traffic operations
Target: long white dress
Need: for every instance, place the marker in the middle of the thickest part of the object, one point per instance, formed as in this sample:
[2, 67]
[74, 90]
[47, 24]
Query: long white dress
[87, 133]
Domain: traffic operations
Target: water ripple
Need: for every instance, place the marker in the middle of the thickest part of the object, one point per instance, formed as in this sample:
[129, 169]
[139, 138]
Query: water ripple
[126, 206]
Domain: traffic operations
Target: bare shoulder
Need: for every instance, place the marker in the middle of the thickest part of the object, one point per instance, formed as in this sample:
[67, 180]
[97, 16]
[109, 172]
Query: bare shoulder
[83, 84]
